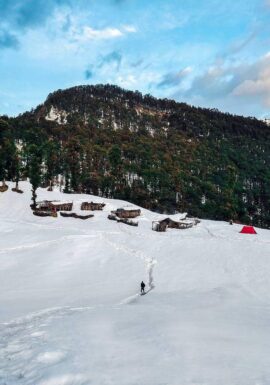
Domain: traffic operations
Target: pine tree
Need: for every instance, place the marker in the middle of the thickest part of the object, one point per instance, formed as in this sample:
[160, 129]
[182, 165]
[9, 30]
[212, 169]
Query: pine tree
[4, 129]
[51, 160]
[35, 160]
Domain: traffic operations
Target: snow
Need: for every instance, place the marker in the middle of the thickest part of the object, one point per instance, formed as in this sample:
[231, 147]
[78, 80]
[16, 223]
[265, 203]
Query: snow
[71, 313]
[55, 115]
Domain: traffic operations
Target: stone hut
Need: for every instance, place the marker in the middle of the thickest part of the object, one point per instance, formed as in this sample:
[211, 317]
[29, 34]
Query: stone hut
[125, 213]
[162, 225]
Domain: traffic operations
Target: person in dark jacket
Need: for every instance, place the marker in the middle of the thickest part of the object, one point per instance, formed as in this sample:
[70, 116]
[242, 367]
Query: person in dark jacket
[142, 287]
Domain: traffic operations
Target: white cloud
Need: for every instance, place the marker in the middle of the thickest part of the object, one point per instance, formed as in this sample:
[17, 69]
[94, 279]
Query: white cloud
[129, 28]
[87, 33]
[75, 27]
[126, 81]
[136, 80]
[240, 79]
[172, 21]
[258, 85]
[106, 33]
[237, 87]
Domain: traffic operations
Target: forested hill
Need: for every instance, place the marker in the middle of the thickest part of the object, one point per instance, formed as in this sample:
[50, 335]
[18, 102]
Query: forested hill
[156, 153]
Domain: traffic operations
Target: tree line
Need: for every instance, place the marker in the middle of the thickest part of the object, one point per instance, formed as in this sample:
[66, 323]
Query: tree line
[159, 154]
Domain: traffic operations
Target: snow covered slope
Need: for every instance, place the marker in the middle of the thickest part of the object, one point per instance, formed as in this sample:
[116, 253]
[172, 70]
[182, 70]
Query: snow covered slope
[71, 314]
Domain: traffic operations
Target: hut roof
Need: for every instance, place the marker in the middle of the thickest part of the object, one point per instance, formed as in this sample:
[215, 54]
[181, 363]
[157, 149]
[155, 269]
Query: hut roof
[61, 202]
[128, 209]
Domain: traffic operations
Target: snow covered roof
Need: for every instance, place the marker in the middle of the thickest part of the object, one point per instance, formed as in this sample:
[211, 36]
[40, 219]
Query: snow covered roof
[45, 202]
[61, 203]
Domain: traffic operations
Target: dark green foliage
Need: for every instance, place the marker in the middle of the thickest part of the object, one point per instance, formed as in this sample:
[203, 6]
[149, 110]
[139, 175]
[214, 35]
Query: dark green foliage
[8, 151]
[159, 154]
[35, 159]
[52, 160]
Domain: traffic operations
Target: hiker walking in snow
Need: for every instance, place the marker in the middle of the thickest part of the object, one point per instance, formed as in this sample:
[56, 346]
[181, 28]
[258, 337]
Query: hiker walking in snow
[142, 287]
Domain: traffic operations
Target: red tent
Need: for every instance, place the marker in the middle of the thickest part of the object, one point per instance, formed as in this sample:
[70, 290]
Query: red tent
[248, 230]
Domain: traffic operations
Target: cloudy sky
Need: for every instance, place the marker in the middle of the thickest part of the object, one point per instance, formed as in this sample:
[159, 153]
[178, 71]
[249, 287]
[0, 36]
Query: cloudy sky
[212, 53]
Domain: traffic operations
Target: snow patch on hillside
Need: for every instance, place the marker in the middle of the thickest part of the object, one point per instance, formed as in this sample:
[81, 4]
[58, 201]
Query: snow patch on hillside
[55, 115]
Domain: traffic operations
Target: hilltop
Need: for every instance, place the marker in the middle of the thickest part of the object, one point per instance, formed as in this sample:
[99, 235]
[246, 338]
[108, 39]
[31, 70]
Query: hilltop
[157, 153]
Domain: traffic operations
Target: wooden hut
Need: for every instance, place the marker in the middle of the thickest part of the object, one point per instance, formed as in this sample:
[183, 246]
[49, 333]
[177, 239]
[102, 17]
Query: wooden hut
[124, 213]
[43, 206]
[169, 223]
[92, 206]
[62, 206]
[54, 206]
[127, 221]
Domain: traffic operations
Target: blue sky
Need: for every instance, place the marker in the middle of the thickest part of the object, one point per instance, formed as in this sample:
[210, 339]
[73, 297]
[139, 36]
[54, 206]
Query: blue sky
[211, 53]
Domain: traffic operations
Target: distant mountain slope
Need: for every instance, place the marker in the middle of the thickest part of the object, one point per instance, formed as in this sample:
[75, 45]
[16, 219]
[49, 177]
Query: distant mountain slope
[157, 153]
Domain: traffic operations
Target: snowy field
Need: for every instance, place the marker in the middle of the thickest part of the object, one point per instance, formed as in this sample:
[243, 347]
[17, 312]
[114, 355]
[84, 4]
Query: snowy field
[70, 312]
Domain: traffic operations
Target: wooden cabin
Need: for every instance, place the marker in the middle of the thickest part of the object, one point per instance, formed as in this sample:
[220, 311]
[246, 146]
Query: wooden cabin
[124, 213]
[162, 225]
[92, 206]
[127, 221]
[62, 206]
[54, 206]
[43, 206]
